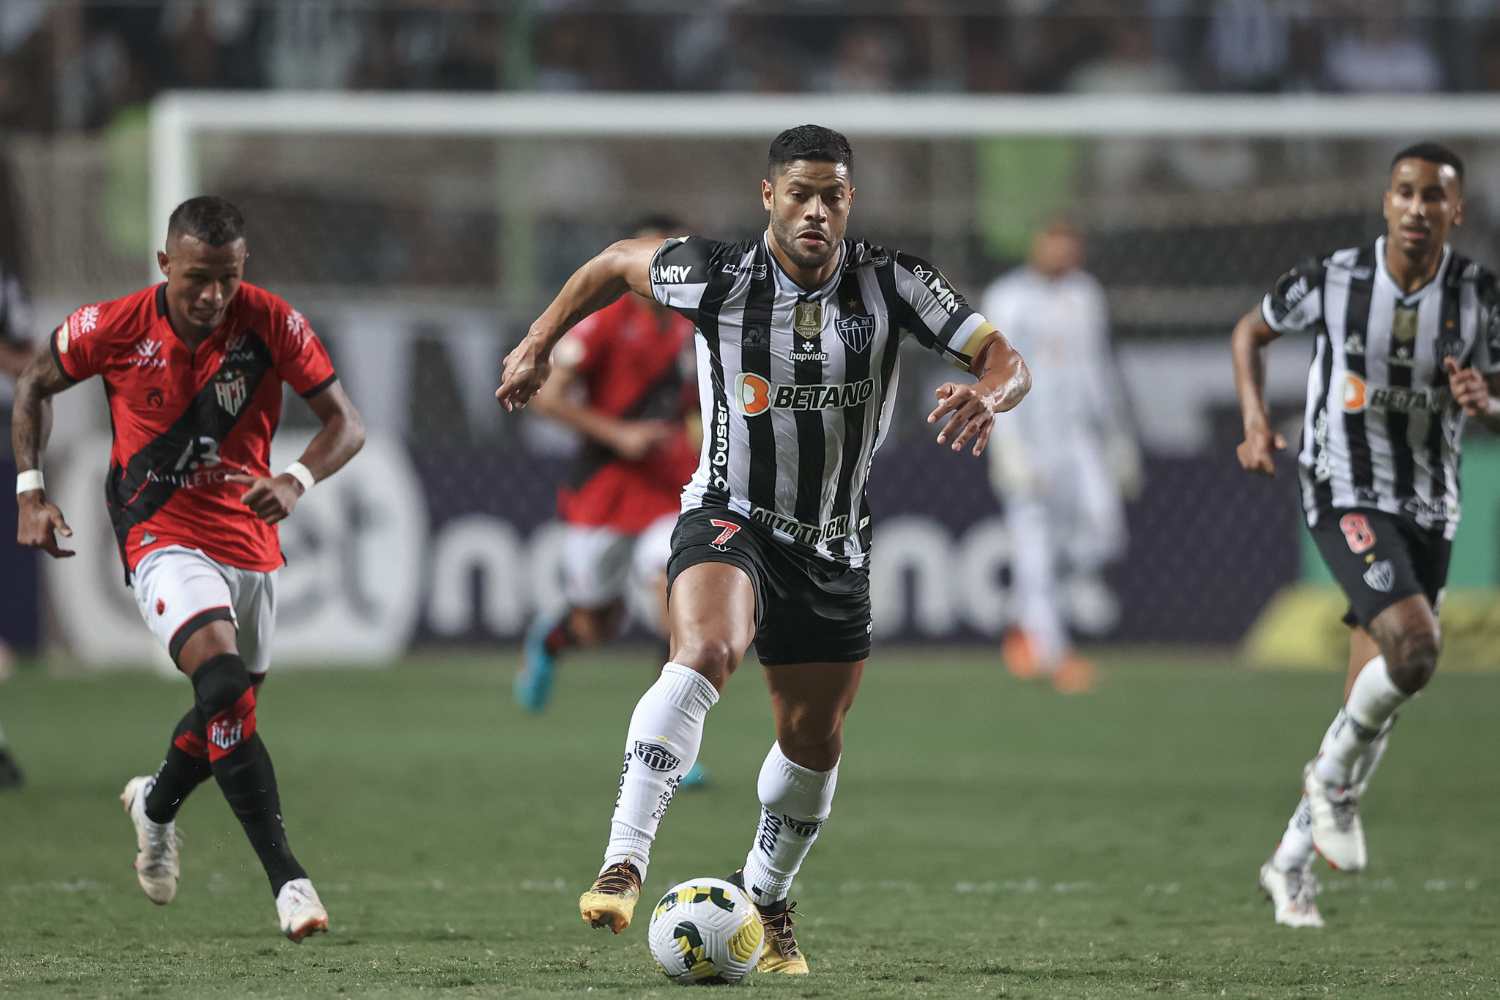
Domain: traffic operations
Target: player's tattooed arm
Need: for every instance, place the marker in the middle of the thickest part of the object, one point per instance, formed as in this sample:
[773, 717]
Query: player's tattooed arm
[622, 267]
[273, 498]
[1004, 380]
[39, 521]
[1257, 452]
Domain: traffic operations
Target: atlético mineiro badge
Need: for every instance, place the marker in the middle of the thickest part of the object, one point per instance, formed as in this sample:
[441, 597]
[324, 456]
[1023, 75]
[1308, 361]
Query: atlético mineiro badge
[807, 319]
[856, 331]
[230, 391]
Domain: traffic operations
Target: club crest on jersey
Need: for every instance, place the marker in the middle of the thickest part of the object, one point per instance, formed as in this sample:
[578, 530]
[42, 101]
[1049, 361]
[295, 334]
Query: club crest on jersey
[807, 319]
[1380, 576]
[856, 332]
[231, 392]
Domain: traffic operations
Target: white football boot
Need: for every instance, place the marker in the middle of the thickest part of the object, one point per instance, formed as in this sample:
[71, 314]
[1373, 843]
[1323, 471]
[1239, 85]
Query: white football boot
[1336, 830]
[156, 862]
[1293, 894]
[300, 910]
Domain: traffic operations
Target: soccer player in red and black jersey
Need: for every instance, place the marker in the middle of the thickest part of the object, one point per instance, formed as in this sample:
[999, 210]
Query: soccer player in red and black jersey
[633, 363]
[193, 370]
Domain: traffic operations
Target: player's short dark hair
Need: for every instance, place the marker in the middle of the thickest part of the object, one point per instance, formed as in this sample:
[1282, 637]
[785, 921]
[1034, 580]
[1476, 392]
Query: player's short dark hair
[214, 220]
[809, 142]
[658, 222]
[1432, 152]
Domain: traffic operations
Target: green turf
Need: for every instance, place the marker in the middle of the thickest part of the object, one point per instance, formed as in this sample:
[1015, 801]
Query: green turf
[989, 839]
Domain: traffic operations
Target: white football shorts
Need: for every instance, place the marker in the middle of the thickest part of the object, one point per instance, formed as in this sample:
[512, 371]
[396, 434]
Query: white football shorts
[179, 590]
[599, 563]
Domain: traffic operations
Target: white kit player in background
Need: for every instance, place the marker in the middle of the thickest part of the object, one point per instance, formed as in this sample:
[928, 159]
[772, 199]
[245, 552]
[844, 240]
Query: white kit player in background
[1063, 464]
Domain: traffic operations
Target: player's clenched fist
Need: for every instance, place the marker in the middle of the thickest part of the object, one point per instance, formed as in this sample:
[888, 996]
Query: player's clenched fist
[1469, 388]
[269, 498]
[39, 524]
[1257, 453]
[526, 369]
[970, 416]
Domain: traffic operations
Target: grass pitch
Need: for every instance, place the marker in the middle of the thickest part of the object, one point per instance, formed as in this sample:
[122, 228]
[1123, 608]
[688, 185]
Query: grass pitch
[988, 839]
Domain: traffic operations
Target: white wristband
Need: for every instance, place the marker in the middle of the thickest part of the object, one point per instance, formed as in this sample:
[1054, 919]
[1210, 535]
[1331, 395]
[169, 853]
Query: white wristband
[29, 480]
[300, 472]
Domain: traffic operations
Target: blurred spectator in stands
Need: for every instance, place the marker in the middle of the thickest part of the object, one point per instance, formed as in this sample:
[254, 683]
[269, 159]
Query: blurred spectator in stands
[864, 62]
[1248, 45]
[1127, 66]
[1381, 54]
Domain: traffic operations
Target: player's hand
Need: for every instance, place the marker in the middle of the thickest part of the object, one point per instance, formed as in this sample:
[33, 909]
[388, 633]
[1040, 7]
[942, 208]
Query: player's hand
[970, 416]
[1257, 453]
[39, 524]
[526, 369]
[271, 499]
[638, 438]
[1469, 388]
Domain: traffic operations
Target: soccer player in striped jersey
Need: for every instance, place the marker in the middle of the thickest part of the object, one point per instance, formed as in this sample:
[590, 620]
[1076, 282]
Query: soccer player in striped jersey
[798, 334]
[1406, 345]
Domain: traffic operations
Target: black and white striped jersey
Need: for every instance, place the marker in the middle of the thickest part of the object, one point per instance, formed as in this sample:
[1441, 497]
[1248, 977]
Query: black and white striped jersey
[797, 385]
[1381, 429]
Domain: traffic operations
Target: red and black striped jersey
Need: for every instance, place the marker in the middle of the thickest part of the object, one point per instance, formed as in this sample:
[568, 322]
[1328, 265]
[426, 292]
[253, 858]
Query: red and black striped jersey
[633, 363]
[184, 419]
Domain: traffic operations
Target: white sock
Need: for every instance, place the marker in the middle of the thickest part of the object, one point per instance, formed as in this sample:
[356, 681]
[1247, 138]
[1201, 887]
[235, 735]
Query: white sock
[662, 743]
[1296, 847]
[795, 801]
[1364, 768]
[1372, 700]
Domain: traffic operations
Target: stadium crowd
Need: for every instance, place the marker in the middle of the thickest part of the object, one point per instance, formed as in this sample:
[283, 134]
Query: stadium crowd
[76, 65]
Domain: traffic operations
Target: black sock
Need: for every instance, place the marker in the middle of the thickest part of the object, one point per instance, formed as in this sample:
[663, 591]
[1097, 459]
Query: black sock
[248, 781]
[184, 768]
[242, 765]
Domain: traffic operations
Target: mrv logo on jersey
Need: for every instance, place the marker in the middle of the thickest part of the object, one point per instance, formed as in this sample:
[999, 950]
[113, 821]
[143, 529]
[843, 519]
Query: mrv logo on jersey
[755, 395]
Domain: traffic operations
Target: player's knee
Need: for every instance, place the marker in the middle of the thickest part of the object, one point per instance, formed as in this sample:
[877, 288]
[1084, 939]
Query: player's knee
[225, 700]
[715, 659]
[1414, 659]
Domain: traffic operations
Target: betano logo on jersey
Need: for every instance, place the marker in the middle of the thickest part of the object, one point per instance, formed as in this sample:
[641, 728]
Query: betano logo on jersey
[1360, 396]
[755, 395]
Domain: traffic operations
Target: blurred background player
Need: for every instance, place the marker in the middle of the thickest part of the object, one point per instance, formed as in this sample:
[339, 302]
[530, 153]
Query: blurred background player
[1406, 344]
[194, 369]
[1063, 463]
[15, 351]
[624, 382]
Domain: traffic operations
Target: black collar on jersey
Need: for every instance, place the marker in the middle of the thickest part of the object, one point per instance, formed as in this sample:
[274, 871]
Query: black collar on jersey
[161, 301]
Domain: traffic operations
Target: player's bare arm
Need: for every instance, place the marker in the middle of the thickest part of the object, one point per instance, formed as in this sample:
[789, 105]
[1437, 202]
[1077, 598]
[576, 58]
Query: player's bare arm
[1003, 381]
[14, 358]
[623, 266]
[39, 520]
[273, 498]
[1478, 395]
[630, 439]
[1257, 453]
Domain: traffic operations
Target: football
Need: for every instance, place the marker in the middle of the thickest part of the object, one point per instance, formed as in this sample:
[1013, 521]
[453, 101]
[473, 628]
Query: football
[706, 930]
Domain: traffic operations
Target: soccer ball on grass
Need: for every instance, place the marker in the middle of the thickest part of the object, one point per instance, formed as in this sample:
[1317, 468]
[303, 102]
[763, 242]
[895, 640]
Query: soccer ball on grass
[706, 930]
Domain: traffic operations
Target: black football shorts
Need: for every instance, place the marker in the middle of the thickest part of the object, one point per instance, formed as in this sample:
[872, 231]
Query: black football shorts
[807, 609]
[1380, 558]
